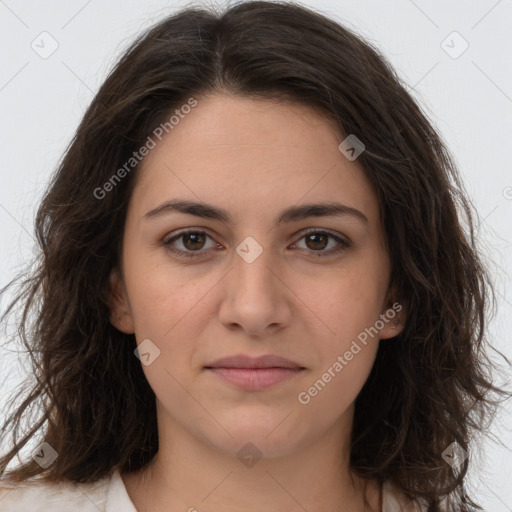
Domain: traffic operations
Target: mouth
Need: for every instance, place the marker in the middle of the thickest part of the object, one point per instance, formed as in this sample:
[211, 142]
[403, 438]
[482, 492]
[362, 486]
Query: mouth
[254, 374]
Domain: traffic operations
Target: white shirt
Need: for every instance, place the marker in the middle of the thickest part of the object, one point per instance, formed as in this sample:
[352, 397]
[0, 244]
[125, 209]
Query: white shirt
[109, 495]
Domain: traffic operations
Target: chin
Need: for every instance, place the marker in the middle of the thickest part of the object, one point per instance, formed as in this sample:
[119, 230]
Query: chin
[257, 445]
[269, 438]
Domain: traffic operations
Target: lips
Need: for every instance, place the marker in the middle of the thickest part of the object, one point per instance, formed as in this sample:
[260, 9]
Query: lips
[269, 361]
[254, 373]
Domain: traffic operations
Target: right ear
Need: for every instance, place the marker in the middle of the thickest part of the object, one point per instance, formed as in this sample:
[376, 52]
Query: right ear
[120, 313]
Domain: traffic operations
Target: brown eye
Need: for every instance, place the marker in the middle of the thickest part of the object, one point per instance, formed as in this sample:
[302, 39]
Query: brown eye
[317, 241]
[190, 243]
[193, 241]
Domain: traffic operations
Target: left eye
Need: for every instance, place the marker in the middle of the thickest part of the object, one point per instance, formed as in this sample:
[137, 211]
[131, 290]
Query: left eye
[193, 241]
[318, 241]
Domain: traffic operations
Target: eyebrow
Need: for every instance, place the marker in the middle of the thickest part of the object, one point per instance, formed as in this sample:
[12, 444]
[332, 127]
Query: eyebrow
[291, 214]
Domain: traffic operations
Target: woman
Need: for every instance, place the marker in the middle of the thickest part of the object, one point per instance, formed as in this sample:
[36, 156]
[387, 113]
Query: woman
[256, 293]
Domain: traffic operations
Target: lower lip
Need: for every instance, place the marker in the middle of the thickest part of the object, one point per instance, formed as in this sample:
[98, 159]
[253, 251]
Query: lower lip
[255, 378]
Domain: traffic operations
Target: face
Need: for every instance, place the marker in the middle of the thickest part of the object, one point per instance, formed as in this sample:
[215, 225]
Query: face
[196, 286]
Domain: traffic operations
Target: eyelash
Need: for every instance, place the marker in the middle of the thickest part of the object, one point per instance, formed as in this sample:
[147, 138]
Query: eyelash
[343, 244]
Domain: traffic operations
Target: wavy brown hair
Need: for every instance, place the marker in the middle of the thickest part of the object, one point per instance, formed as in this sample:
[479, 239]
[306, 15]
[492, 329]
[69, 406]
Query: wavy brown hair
[429, 387]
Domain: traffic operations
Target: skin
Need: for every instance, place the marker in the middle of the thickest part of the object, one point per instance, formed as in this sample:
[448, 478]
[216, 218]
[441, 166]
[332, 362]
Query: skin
[254, 158]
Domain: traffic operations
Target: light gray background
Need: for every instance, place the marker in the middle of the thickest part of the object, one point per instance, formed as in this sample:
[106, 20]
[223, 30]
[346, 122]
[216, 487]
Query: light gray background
[467, 96]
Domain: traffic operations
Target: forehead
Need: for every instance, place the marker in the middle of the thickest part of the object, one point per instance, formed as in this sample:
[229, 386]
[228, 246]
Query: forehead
[252, 155]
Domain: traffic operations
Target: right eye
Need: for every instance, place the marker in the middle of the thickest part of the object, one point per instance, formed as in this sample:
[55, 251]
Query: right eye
[191, 241]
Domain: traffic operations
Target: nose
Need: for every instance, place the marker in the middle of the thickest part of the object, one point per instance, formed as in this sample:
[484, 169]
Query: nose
[256, 299]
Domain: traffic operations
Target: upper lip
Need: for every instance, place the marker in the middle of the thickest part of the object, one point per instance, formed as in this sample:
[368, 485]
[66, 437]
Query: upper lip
[242, 361]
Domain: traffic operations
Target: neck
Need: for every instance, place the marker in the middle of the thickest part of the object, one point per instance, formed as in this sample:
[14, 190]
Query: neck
[190, 475]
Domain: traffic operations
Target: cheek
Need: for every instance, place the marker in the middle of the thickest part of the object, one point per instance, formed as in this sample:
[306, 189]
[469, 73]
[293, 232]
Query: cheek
[347, 350]
[330, 394]
[162, 295]
[349, 299]
[349, 338]
[169, 309]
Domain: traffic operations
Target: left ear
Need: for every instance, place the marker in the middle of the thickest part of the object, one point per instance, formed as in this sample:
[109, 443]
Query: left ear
[393, 316]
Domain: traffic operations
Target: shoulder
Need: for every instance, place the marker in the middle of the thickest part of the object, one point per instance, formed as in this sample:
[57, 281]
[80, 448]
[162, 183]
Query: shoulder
[393, 500]
[38, 496]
